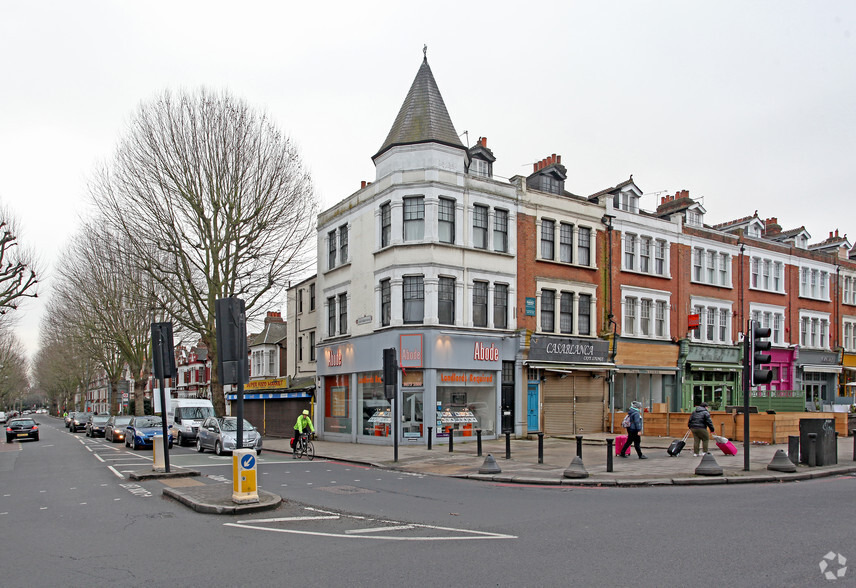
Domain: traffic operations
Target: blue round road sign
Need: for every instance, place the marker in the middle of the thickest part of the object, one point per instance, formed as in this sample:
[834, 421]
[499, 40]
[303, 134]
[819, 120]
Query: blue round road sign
[248, 461]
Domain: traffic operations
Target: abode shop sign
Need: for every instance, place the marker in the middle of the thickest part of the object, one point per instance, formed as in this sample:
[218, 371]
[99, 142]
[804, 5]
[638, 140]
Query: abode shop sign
[334, 357]
[483, 353]
[568, 349]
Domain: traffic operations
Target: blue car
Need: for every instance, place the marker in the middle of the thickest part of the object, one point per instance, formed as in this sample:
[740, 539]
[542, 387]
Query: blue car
[141, 432]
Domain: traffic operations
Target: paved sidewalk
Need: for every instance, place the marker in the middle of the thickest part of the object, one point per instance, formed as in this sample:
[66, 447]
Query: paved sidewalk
[523, 466]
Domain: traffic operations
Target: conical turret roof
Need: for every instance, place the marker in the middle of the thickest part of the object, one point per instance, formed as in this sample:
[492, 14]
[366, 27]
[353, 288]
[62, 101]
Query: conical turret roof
[423, 117]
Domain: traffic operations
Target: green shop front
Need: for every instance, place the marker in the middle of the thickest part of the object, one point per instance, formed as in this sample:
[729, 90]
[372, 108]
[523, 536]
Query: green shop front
[710, 373]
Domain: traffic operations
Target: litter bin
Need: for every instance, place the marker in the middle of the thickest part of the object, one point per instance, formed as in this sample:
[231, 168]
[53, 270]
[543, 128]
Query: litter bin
[827, 447]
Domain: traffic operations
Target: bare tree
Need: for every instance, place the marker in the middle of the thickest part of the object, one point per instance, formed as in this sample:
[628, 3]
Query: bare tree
[14, 382]
[214, 202]
[60, 368]
[18, 266]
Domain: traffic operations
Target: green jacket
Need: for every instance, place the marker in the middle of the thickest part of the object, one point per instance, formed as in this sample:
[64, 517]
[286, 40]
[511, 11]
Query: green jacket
[303, 422]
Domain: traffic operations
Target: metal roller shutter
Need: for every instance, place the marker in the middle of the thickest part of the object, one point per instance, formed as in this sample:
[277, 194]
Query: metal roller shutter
[558, 408]
[590, 394]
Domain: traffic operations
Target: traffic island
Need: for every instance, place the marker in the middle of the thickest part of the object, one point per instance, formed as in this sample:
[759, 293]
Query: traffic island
[217, 499]
[150, 474]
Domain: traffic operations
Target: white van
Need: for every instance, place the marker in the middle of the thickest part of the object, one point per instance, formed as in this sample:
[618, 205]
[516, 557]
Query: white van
[184, 417]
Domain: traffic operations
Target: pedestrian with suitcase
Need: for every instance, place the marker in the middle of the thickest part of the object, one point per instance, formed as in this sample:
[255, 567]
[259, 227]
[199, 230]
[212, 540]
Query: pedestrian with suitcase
[634, 430]
[699, 423]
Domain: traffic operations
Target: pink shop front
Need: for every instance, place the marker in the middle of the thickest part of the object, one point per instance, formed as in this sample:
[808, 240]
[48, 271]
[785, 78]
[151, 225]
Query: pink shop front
[449, 384]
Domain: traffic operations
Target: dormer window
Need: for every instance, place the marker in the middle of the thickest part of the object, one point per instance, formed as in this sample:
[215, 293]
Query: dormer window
[627, 201]
[480, 167]
[550, 184]
[694, 218]
[801, 242]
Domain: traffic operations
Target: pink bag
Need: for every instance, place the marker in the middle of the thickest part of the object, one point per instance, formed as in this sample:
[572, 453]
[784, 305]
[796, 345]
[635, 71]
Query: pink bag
[619, 443]
[727, 448]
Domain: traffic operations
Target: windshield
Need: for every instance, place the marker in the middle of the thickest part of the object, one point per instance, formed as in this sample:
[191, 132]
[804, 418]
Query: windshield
[122, 420]
[194, 412]
[231, 424]
[100, 419]
[148, 422]
[23, 423]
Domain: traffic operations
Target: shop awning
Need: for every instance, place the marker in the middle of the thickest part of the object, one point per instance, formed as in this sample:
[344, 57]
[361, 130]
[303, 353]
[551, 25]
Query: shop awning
[702, 366]
[821, 369]
[568, 368]
[271, 395]
[644, 369]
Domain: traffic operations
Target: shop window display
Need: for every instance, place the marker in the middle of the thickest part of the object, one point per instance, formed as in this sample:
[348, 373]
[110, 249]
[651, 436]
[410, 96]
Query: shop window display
[373, 407]
[466, 401]
[337, 396]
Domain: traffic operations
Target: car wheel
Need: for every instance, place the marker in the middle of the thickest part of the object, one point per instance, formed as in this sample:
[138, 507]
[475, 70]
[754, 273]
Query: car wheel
[218, 449]
[258, 451]
[36, 438]
[134, 443]
[199, 447]
[180, 440]
[8, 439]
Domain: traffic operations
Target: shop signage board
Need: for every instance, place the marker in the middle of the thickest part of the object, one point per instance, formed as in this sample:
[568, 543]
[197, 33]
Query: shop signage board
[410, 351]
[568, 349]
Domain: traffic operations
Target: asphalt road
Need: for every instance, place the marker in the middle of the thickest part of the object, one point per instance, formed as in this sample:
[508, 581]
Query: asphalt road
[69, 516]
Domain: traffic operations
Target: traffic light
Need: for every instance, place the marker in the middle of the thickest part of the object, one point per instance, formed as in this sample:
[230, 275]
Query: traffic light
[390, 373]
[759, 343]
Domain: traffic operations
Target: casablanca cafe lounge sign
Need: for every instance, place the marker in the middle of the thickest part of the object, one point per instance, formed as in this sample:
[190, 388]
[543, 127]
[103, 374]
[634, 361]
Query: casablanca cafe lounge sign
[568, 349]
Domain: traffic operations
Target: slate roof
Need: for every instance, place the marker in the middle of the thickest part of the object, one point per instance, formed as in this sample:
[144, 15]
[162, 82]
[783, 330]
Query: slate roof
[273, 333]
[423, 117]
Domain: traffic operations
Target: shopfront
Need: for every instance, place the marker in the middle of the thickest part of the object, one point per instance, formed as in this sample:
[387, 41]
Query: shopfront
[712, 374]
[272, 406]
[448, 383]
[817, 376]
[646, 372]
[847, 382]
[568, 384]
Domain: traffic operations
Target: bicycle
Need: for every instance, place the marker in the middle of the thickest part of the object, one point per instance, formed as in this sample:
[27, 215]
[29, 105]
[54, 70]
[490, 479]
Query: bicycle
[303, 446]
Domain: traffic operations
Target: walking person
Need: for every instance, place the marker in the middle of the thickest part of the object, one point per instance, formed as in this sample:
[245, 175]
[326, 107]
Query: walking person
[634, 430]
[699, 423]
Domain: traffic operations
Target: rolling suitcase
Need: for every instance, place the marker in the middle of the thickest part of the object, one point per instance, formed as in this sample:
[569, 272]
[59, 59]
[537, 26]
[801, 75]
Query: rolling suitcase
[725, 445]
[678, 445]
[619, 443]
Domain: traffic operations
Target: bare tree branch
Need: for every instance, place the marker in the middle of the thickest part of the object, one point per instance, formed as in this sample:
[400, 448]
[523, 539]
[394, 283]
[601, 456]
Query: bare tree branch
[213, 202]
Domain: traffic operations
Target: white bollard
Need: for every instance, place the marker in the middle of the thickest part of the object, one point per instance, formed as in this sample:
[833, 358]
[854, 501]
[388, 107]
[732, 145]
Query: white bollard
[159, 462]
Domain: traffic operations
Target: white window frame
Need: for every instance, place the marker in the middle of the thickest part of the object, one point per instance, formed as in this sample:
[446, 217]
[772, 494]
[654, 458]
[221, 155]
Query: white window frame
[632, 312]
[814, 329]
[712, 308]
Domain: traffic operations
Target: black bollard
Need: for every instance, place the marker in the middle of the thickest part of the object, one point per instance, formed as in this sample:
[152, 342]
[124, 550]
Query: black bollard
[794, 448]
[451, 439]
[507, 445]
[580, 446]
[540, 447]
[609, 443]
[478, 442]
[812, 449]
[430, 437]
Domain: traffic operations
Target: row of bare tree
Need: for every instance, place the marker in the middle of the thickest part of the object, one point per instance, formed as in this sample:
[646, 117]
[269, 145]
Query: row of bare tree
[18, 281]
[203, 199]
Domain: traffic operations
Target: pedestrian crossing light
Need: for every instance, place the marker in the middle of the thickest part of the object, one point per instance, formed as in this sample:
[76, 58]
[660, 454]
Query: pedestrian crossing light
[759, 343]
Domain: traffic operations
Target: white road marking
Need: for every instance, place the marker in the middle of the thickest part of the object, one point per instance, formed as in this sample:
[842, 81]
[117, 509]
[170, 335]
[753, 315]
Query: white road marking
[42, 491]
[88, 448]
[115, 471]
[289, 519]
[99, 458]
[4, 513]
[82, 504]
[43, 508]
[380, 529]
[469, 536]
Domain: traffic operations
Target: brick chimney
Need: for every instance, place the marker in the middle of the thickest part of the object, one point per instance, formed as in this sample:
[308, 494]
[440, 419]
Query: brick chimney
[772, 227]
[273, 317]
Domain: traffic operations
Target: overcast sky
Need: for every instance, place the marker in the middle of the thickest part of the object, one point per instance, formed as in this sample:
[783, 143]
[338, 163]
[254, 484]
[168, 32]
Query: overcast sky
[748, 105]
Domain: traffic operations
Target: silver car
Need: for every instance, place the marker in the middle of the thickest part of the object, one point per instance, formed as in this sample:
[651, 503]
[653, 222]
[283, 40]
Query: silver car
[219, 434]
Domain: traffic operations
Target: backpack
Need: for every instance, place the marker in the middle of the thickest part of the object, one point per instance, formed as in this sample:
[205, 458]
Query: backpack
[627, 421]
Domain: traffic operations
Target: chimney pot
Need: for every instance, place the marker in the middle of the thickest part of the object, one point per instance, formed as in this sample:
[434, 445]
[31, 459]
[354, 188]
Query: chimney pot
[830, 234]
[553, 157]
[362, 184]
[534, 167]
[484, 141]
[558, 159]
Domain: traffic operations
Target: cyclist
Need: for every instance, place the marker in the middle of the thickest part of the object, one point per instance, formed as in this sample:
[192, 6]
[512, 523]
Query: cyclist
[303, 423]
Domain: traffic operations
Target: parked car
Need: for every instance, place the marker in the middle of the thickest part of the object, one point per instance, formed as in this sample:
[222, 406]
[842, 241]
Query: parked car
[141, 432]
[2, 417]
[22, 428]
[77, 422]
[68, 417]
[114, 429]
[220, 435]
[95, 424]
